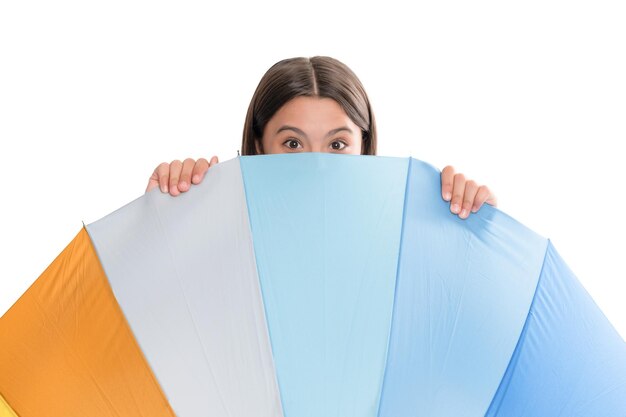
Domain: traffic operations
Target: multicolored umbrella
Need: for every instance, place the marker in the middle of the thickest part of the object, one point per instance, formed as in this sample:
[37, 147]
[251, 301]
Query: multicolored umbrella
[309, 285]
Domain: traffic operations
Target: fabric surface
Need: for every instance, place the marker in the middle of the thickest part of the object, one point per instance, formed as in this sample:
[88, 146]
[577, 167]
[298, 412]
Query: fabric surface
[569, 360]
[184, 273]
[327, 260]
[464, 288]
[309, 284]
[67, 350]
[5, 409]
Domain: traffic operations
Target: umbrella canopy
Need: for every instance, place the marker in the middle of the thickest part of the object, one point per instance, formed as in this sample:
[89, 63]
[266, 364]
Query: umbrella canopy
[309, 285]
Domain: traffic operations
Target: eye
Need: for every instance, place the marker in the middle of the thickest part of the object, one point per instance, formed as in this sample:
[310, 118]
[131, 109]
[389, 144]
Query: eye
[291, 141]
[338, 142]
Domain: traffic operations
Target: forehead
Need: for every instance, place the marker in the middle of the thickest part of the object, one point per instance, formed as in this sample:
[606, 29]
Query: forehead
[305, 110]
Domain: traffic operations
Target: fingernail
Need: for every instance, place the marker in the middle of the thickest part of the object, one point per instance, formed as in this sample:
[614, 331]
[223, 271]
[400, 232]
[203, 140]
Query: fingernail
[447, 195]
[182, 185]
[196, 178]
[455, 208]
[463, 213]
[164, 189]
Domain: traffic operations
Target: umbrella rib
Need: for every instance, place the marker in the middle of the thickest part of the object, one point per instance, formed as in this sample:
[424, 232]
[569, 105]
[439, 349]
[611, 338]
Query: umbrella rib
[190, 313]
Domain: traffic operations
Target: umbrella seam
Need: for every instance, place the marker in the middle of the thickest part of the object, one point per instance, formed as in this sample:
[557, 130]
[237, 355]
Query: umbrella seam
[395, 290]
[513, 360]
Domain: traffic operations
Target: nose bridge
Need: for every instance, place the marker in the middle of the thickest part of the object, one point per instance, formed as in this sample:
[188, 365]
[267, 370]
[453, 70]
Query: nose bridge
[317, 143]
[317, 147]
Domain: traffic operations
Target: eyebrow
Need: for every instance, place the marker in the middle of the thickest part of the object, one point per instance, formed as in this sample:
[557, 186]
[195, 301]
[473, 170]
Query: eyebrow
[300, 132]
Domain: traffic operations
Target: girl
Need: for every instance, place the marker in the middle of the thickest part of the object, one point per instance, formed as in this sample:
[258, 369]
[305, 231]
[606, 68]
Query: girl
[313, 105]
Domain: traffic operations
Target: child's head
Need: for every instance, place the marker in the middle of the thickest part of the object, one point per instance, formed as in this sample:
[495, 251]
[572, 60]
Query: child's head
[301, 104]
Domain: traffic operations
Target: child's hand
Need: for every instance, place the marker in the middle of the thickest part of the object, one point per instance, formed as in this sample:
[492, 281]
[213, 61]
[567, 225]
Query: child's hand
[176, 177]
[466, 195]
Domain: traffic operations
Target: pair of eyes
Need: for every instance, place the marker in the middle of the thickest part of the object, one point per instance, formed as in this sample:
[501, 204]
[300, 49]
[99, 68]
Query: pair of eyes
[291, 141]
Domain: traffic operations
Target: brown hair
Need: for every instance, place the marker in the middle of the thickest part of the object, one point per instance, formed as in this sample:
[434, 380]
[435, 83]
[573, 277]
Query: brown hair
[319, 76]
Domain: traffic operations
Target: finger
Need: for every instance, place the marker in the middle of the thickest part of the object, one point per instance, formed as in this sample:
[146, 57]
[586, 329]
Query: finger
[447, 177]
[159, 177]
[213, 161]
[175, 169]
[457, 193]
[492, 200]
[483, 195]
[153, 182]
[471, 188]
[199, 169]
[184, 181]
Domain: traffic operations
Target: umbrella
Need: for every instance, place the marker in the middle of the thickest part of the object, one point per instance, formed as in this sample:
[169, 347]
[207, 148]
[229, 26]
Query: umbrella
[309, 285]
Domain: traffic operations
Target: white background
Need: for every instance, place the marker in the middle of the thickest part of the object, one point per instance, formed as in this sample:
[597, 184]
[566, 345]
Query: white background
[526, 97]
